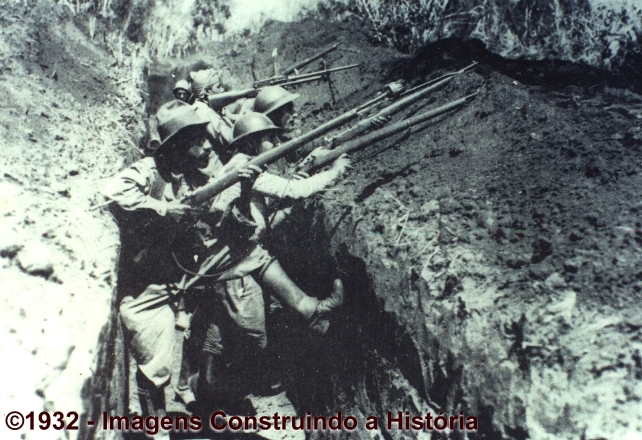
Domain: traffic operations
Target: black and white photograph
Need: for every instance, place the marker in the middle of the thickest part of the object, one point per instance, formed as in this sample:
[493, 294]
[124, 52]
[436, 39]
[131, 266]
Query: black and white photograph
[321, 219]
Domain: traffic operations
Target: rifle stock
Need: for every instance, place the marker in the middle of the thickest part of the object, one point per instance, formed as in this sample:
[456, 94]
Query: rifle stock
[220, 100]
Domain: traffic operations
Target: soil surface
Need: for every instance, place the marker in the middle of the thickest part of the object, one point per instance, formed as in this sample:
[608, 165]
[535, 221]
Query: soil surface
[66, 127]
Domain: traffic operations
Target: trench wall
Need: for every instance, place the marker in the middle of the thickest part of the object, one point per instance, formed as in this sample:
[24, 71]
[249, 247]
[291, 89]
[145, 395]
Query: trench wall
[72, 116]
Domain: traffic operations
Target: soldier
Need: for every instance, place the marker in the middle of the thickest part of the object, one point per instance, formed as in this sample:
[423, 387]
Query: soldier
[277, 104]
[182, 90]
[147, 198]
[204, 83]
[242, 215]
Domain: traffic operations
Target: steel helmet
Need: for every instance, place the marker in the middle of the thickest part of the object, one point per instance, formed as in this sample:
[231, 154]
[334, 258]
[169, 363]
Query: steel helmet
[251, 123]
[204, 79]
[271, 98]
[182, 84]
[176, 116]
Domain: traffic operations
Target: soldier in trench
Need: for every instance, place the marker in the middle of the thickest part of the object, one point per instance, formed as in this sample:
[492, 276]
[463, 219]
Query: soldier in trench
[182, 90]
[147, 198]
[148, 203]
[237, 318]
[204, 83]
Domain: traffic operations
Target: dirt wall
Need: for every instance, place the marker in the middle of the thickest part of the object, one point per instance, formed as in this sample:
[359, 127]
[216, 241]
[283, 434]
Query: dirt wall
[490, 259]
[70, 118]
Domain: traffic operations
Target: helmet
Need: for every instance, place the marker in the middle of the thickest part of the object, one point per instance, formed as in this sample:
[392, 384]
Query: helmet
[251, 123]
[182, 84]
[203, 79]
[271, 98]
[176, 116]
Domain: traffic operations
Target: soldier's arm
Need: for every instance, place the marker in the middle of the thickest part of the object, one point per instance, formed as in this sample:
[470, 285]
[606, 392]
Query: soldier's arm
[131, 189]
[270, 185]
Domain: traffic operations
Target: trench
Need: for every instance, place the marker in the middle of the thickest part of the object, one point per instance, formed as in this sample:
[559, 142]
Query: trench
[377, 357]
[356, 367]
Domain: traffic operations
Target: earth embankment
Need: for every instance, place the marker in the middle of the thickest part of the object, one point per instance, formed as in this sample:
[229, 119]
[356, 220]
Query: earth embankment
[490, 260]
[492, 257]
[71, 117]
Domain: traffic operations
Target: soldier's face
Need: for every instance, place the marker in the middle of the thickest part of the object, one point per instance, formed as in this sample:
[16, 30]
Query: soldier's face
[284, 117]
[267, 142]
[260, 143]
[193, 149]
[181, 95]
[199, 151]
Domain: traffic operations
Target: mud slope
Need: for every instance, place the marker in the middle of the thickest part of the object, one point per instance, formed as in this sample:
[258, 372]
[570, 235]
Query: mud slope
[492, 259]
[507, 240]
[65, 129]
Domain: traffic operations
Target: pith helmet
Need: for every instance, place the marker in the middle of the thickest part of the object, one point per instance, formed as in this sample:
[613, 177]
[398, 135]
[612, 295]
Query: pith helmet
[203, 79]
[271, 98]
[174, 117]
[251, 123]
[182, 84]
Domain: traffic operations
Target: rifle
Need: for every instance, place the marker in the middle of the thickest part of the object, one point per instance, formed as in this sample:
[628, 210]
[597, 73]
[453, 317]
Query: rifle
[282, 80]
[305, 62]
[220, 100]
[397, 89]
[209, 190]
[215, 186]
[383, 133]
[407, 97]
[369, 123]
[448, 75]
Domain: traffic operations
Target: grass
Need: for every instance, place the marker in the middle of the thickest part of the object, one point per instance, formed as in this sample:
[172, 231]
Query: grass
[596, 32]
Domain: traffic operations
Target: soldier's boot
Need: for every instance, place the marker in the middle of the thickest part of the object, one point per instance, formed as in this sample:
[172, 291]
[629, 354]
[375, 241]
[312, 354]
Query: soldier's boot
[152, 401]
[319, 321]
[183, 390]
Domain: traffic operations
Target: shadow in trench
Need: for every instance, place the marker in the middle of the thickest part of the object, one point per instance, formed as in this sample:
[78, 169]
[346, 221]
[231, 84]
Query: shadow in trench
[323, 372]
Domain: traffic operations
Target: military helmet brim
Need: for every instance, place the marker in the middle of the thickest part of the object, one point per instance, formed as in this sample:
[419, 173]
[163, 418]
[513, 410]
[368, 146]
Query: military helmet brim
[252, 123]
[281, 102]
[183, 120]
[264, 130]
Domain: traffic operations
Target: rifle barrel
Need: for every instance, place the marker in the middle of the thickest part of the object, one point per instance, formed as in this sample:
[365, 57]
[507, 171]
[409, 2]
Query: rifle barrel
[385, 132]
[278, 80]
[219, 100]
[390, 110]
[324, 72]
[301, 81]
[307, 61]
[448, 75]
